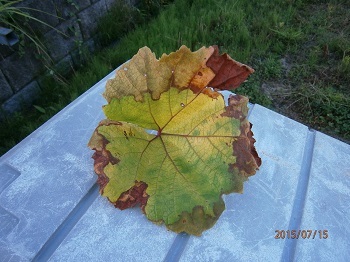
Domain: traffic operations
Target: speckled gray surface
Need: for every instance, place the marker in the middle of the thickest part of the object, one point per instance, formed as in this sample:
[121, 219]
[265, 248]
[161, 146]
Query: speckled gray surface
[327, 205]
[46, 175]
[50, 208]
[107, 234]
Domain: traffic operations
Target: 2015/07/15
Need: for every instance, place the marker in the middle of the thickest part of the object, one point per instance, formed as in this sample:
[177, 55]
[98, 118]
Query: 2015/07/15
[296, 234]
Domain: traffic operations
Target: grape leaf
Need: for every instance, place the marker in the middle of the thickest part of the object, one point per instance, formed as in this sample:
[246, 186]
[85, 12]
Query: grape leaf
[169, 143]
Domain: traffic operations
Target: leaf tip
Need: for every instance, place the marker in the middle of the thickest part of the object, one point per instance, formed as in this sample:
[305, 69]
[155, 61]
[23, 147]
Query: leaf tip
[229, 73]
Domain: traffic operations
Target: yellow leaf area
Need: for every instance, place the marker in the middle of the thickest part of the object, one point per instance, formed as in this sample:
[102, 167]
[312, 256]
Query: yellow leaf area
[169, 141]
[146, 74]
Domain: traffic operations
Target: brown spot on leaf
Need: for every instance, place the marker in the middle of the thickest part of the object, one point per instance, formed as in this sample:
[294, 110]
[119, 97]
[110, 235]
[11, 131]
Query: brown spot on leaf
[135, 195]
[236, 107]
[102, 157]
[247, 160]
[101, 160]
[126, 135]
[252, 147]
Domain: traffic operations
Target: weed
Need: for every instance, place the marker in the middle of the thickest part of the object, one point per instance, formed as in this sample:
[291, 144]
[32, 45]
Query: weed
[344, 67]
[325, 108]
[121, 19]
[17, 17]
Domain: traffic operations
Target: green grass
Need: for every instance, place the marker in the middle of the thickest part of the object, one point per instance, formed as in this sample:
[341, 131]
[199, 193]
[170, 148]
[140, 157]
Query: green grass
[299, 49]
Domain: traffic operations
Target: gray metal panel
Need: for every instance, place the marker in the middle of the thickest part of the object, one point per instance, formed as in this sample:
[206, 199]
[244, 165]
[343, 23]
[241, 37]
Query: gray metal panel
[53, 171]
[327, 205]
[108, 234]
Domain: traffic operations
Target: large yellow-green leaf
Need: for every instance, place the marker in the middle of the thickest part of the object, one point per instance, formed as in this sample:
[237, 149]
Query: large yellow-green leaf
[170, 143]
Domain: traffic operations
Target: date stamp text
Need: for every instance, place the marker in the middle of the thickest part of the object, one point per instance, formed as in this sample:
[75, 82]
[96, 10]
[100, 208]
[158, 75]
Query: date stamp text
[302, 234]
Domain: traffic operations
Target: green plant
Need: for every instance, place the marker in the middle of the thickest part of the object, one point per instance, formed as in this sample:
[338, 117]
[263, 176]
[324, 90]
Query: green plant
[151, 8]
[345, 65]
[323, 107]
[73, 3]
[120, 19]
[288, 34]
